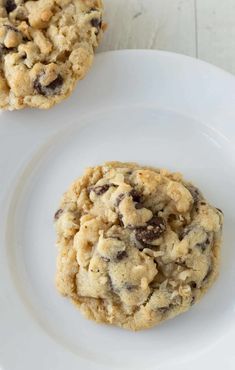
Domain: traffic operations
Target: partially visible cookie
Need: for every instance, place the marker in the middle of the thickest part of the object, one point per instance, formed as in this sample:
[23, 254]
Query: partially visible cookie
[137, 245]
[46, 46]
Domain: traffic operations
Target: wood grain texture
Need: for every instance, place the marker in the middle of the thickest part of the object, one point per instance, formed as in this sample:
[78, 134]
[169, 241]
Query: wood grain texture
[200, 28]
[216, 32]
[150, 24]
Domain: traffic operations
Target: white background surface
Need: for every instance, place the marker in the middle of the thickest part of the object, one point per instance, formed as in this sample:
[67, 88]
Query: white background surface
[200, 28]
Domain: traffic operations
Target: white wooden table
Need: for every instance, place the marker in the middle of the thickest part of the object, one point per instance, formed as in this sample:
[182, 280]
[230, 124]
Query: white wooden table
[203, 29]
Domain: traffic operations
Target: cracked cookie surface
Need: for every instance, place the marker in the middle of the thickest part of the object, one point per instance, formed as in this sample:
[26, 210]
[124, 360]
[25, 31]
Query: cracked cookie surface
[137, 245]
[46, 46]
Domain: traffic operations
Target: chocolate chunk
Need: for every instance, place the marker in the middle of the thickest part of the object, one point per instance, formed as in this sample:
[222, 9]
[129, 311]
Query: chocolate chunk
[100, 190]
[52, 89]
[136, 196]
[194, 192]
[153, 230]
[121, 255]
[96, 22]
[3, 50]
[10, 5]
[119, 199]
[58, 214]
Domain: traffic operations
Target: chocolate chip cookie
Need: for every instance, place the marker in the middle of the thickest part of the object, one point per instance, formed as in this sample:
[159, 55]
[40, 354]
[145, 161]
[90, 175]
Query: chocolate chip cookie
[137, 245]
[46, 46]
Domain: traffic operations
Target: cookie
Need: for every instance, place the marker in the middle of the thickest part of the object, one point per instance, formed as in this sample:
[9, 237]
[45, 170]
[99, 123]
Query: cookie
[46, 46]
[137, 245]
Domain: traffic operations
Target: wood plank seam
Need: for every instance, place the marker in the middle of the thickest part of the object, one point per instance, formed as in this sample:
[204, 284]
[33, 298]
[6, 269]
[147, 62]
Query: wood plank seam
[196, 28]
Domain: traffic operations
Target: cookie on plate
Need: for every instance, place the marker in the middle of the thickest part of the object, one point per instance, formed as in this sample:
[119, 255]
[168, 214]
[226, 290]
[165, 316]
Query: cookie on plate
[137, 245]
[46, 46]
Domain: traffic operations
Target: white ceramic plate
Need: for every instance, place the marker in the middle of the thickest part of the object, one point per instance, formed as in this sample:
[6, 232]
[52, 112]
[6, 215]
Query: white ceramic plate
[155, 108]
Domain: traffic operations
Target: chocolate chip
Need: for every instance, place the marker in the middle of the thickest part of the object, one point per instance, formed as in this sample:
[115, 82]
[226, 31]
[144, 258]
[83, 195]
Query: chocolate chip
[121, 255]
[26, 39]
[100, 190]
[172, 217]
[23, 56]
[153, 230]
[165, 309]
[52, 89]
[3, 50]
[58, 214]
[96, 22]
[130, 287]
[193, 284]
[111, 285]
[192, 301]
[139, 206]
[95, 271]
[9, 27]
[120, 197]
[10, 5]
[120, 217]
[185, 232]
[203, 246]
[203, 203]
[136, 196]
[194, 192]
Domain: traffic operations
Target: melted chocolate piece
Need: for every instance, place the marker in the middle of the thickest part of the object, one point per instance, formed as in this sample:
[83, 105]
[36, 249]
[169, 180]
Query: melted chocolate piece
[58, 214]
[152, 231]
[52, 89]
[10, 5]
